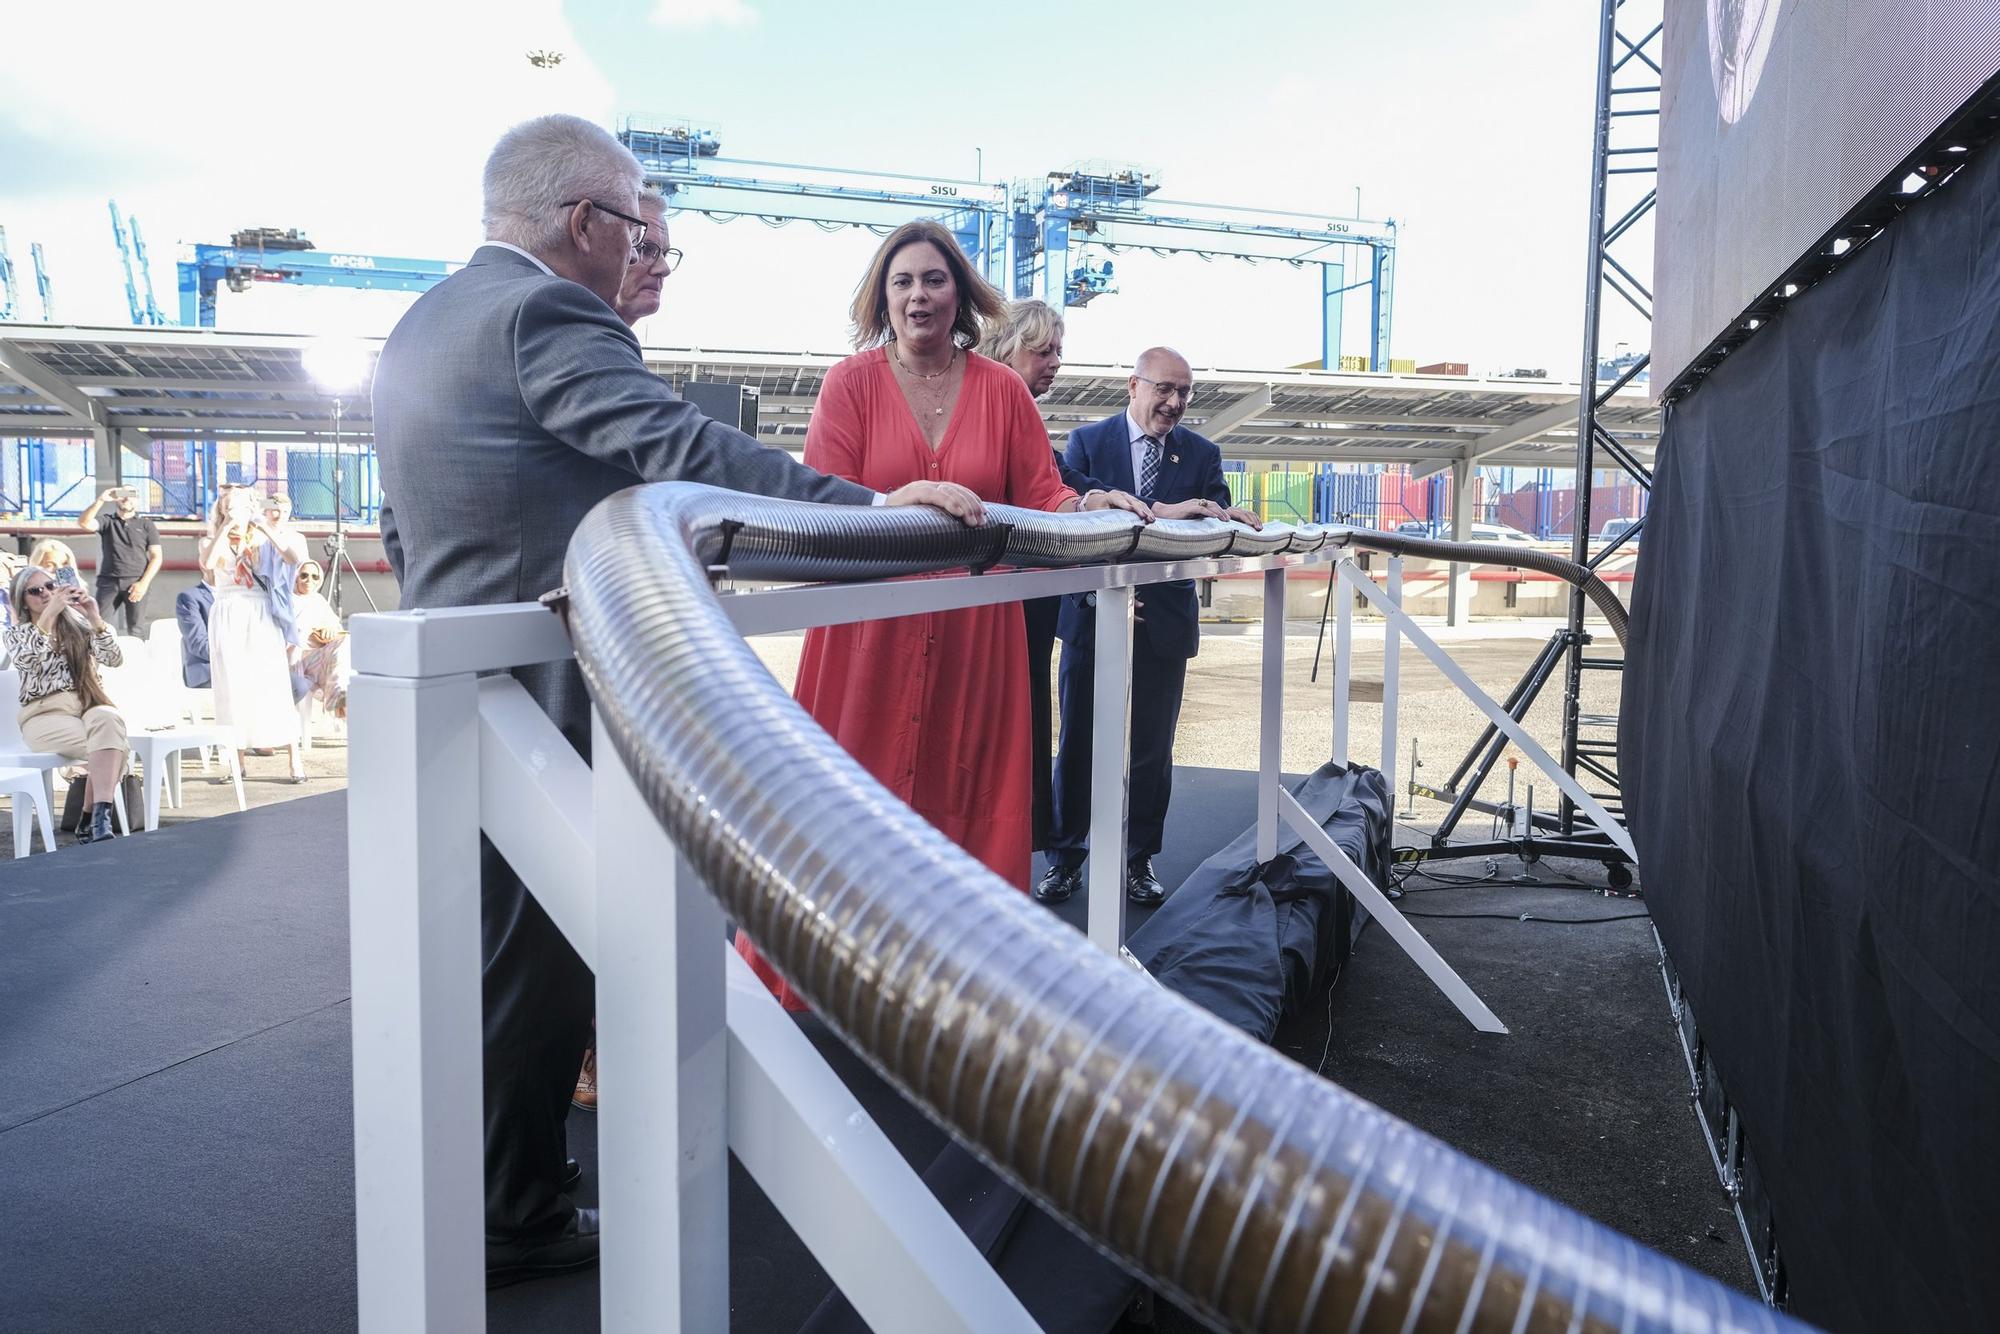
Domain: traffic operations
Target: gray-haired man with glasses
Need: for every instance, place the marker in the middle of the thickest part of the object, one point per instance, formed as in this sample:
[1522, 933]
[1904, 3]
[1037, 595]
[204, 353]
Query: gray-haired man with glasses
[509, 400]
[653, 262]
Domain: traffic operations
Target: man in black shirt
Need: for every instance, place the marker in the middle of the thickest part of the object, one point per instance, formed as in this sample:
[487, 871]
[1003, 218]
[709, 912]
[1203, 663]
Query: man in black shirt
[128, 555]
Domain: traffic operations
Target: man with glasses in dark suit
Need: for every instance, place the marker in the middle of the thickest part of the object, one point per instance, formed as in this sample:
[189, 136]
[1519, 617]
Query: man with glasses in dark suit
[509, 400]
[1146, 451]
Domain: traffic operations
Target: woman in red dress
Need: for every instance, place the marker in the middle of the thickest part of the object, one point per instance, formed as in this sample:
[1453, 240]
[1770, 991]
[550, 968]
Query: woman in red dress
[934, 706]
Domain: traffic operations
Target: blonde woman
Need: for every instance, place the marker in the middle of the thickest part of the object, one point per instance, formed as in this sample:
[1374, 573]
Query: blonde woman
[56, 642]
[252, 642]
[52, 555]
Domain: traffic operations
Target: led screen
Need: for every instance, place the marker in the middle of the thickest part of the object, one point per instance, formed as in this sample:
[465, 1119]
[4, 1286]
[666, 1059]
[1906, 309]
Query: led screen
[1777, 117]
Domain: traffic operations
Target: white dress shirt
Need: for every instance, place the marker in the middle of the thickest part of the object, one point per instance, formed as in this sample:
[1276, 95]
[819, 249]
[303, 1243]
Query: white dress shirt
[535, 260]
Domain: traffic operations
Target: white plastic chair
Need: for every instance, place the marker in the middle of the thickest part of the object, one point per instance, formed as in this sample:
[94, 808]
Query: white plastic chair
[173, 694]
[27, 791]
[153, 723]
[14, 752]
[159, 756]
[196, 702]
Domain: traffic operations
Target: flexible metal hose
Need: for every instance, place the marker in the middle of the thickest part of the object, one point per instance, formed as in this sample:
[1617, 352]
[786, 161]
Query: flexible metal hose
[1257, 1193]
[1499, 553]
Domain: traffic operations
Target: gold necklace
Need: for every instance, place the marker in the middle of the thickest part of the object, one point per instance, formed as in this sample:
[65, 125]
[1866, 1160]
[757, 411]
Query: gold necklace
[937, 411]
[919, 375]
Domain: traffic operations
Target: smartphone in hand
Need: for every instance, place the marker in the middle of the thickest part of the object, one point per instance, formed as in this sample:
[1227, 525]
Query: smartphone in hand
[67, 577]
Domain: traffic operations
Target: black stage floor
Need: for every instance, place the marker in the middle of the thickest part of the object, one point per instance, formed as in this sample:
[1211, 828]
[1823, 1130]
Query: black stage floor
[176, 1124]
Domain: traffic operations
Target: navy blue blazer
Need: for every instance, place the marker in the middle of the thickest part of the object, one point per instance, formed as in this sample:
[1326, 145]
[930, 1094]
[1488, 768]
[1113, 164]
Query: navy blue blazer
[191, 610]
[1190, 469]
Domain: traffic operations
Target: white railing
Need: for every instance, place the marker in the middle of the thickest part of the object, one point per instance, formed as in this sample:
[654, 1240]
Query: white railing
[695, 1058]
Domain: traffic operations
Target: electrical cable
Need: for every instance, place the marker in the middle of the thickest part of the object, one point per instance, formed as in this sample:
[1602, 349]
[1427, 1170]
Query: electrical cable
[1529, 917]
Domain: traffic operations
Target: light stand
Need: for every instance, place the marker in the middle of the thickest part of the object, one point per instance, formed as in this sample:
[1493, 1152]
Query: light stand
[336, 546]
[340, 368]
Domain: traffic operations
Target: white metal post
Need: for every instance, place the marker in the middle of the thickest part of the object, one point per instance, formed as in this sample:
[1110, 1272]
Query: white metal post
[1110, 767]
[1271, 732]
[1503, 720]
[863, 1212]
[1458, 574]
[662, 1056]
[1343, 652]
[1441, 974]
[1392, 662]
[413, 904]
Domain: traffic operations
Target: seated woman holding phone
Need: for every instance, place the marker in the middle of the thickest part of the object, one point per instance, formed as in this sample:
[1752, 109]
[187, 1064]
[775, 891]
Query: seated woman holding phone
[58, 638]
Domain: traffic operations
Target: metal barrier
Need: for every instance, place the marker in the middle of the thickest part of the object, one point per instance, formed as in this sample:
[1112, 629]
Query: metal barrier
[696, 1059]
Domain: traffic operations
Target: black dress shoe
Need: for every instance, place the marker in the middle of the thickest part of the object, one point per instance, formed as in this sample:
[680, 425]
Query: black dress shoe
[1059, 883]
[574, 1248]
[1141, 885]
[572, 1174]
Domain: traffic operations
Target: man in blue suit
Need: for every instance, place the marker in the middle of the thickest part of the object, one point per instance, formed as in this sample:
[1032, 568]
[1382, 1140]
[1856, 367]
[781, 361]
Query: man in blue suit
[191, 610]
[1144, 450]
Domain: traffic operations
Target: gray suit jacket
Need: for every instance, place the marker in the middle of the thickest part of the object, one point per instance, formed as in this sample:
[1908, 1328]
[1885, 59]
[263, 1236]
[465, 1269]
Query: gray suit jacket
[508, 402]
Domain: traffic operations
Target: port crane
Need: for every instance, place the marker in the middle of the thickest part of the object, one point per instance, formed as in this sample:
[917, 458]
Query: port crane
[1032, 239]
[272, 255]
[132, 255]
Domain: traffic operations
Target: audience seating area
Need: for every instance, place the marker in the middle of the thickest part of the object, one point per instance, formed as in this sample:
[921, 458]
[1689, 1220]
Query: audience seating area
[163, 717]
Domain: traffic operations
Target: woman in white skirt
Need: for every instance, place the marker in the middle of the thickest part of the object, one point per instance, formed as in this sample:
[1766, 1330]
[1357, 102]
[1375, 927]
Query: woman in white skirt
[251, 644]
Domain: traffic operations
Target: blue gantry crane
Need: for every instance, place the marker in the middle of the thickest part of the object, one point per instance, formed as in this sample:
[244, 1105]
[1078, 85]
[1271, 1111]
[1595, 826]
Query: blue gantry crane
[42, 287]
[1032, 239]
[682, 159]
[271, 255]
[1116, 207]
[7, 300]
[132, 255]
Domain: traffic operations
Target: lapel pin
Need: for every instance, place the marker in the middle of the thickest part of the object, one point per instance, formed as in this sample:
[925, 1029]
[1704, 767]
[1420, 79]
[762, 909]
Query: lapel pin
[1173, 458]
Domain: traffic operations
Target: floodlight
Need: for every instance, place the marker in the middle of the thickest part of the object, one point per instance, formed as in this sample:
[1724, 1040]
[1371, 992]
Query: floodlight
[337, 365]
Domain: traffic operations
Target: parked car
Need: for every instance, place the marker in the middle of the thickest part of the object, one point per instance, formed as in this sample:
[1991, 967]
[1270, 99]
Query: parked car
[1497, 532]
[1480, 532]
[1615, 528]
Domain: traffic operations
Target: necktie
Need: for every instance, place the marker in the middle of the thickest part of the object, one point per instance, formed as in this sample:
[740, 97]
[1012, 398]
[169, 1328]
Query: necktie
[1149, 468]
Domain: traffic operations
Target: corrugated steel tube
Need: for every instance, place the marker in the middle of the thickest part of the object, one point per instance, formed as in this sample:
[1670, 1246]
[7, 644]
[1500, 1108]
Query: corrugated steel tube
[1250, 1189]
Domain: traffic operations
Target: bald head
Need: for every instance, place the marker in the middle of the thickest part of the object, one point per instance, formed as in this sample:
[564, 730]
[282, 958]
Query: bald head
[1161, 386]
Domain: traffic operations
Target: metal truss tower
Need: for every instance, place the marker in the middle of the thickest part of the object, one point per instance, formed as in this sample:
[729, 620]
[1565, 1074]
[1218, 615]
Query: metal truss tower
[1624, 179]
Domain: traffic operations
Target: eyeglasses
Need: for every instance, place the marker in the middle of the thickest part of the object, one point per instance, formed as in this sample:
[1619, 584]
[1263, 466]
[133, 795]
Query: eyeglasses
[637, 226]
[1168, 389]
[650, 253]
[38, 590]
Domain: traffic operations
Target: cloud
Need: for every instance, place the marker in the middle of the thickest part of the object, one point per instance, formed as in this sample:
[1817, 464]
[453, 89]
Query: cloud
[703, 14]
[370, 146]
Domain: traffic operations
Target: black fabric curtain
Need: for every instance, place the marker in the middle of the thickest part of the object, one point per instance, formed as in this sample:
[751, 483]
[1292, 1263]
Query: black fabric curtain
[1811, 752]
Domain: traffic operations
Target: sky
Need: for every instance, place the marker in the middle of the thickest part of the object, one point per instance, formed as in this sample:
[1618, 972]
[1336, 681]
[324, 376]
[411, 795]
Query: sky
[365, 126]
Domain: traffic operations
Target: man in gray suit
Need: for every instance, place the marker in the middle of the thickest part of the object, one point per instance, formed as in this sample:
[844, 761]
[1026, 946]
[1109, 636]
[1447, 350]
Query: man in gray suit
[508, 401]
